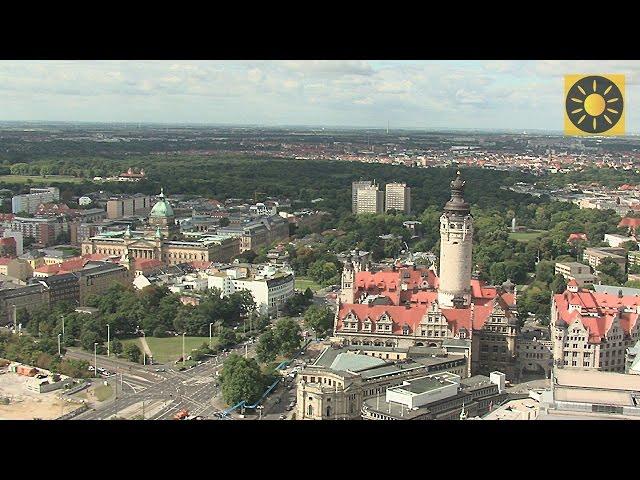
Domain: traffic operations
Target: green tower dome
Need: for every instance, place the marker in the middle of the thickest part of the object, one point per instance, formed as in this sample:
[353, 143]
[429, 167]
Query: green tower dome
[162, 207]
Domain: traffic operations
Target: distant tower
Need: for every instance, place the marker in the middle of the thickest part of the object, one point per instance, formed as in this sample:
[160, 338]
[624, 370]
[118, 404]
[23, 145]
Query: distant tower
[456, 237]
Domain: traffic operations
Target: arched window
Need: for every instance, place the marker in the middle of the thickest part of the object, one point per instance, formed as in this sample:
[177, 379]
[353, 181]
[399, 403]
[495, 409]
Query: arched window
[328, 411]
[310, 410]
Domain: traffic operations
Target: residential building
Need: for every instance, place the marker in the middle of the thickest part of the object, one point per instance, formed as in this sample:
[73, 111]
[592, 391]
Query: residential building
[594, 255]
[29, 202]
[8, 247]
[579, 272]
[354, 193]
[18, 237]
[397, 197]
[269, 286]
[43, 230]
[615, 240]
[369, 200]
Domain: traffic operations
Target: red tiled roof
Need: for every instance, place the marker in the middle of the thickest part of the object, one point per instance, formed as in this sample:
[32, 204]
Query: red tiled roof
[5, 260]
[574, 237]
[629, 222]
[597, 311]
[7, 241]
[146, 264]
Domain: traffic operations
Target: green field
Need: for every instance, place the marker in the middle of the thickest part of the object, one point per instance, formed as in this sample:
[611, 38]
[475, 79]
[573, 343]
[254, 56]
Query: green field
[302, 283]
[38, 179]
[169, 349]
[526, 236]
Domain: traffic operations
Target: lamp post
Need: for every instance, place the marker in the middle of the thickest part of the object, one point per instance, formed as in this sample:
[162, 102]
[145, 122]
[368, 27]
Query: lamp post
[95, 358]
[62, 318]
[59, 352]
[108, 341]
[210, 325]
[183, 357]
[144, 353]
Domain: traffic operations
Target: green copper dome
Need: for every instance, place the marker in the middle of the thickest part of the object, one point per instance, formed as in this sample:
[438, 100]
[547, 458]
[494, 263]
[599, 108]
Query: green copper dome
[162, 207]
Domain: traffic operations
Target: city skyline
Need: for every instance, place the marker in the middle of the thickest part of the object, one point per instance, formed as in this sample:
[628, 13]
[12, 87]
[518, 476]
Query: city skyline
[422, 95]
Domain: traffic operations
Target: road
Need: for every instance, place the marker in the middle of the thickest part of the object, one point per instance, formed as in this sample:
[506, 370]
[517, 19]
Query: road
[142, 392]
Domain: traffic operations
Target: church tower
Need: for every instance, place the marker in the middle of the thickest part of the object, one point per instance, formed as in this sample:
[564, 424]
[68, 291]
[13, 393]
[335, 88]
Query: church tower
[456, 237]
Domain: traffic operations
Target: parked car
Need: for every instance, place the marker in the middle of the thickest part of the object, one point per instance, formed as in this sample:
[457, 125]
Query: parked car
[283, 417]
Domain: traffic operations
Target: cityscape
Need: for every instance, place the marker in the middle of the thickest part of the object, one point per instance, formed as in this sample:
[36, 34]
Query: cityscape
[253, 272]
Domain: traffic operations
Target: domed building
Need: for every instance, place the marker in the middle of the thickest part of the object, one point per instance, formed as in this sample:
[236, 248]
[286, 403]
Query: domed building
[160, 239]
[162, 216]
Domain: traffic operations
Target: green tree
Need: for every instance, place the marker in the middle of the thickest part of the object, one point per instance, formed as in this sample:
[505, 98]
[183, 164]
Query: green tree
[241, 379]
[319, 319]
[558, 285]
[132, 353]
[116, 346]
[267, 347]
[610, 268]
[88, 339]
[288, 336]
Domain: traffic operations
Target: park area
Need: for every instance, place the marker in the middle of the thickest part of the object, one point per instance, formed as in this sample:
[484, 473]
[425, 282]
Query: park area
[169, 349]
[18, 403]
[302, 283]
[39, 179]
[526, 236]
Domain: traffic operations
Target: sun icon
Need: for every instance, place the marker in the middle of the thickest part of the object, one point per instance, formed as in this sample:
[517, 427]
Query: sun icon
[594, 104]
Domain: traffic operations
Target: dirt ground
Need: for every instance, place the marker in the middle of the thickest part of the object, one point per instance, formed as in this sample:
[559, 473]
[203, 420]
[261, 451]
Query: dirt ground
[28, 405]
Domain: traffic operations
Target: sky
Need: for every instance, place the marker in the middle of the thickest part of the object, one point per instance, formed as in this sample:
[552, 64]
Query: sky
[474, 94]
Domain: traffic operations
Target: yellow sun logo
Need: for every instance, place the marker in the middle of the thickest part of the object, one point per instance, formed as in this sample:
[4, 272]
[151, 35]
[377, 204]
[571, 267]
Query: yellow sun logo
[594, 104]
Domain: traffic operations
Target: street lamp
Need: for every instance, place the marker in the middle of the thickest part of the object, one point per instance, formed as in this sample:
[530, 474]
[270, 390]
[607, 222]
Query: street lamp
[95, 358]
[59, 354]
[210, 325]
[183, 357]
[108, 341]
[144, 352]
[62, 318]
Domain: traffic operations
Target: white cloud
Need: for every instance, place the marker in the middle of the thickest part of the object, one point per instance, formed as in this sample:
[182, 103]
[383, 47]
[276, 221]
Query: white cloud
[503, 94]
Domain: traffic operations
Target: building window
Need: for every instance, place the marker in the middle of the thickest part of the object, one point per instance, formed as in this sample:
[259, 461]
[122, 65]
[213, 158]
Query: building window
[310, 410]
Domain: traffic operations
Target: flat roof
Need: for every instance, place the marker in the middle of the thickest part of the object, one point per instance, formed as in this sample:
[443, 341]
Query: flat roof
[520, 409]
[423, 384]
[592, 379]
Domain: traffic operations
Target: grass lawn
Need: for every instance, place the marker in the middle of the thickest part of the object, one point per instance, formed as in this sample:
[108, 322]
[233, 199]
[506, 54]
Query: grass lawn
[302, 283]
[169, 349]
[103, 392]
[526, 236]
[37, 179]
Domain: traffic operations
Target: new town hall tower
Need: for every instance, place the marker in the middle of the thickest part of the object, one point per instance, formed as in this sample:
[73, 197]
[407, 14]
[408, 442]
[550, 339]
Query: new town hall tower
[456, 241]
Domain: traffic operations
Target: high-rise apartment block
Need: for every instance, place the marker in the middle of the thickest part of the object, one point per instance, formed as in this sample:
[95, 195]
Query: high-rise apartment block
[29, 202]
[369, 200]
[397, 197]
[354, 193]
